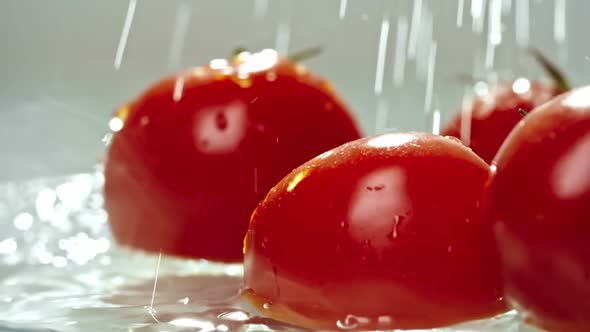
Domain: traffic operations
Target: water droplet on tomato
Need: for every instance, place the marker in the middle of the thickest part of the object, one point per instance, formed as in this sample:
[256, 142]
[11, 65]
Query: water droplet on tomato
[221, 121]
[348, 323]
[351, 322]
[385, 320]
[144, 121]
[263, 244]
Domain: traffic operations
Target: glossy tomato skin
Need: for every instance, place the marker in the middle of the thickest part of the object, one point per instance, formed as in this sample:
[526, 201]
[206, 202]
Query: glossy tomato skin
[382, 232]
[539, 206]
[494, 115]
[198, 151]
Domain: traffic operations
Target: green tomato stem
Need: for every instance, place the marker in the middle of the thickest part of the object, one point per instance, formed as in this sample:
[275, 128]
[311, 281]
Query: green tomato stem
[561, 83]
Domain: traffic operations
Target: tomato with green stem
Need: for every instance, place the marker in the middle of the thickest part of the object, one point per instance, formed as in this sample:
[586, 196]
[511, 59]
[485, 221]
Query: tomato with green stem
[484, 124]
[197, 151]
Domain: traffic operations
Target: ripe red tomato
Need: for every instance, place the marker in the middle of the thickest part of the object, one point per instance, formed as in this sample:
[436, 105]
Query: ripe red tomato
[539, 204]
[379, 233]
[493, 116]
[198, 151]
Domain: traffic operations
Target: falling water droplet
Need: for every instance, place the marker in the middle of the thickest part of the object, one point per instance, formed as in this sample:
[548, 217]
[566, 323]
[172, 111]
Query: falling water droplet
[107, 138]
[342, 11]
[125, 33]
[465, 130]
[495, 22]
[381, 116]
[399, 59]
[381, 52]
[477, 15]
[460, 10]
[415, 28]
[283, 35]
[559, 29]
[494, 32]
[430, 78]
[260, 8]
[178, 89]
[436, 122]
[424, 43]
[506, 7]
[522, 22]
[183, 15]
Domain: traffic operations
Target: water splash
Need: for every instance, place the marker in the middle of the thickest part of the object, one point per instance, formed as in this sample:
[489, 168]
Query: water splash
[110, 291]
[151, 309]
[125, 33]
